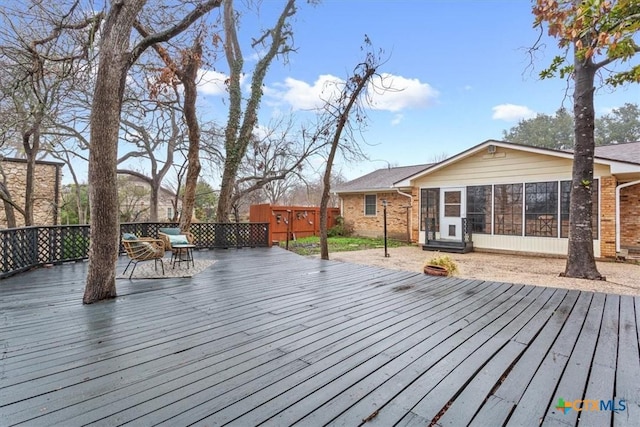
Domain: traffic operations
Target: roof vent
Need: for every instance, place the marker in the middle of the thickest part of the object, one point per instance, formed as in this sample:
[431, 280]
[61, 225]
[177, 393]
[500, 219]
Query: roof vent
[491, 149]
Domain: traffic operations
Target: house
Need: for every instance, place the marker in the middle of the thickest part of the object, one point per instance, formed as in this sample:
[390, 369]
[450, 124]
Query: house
[46, 192]
[361, 202]
[502, 197]
[135, 196]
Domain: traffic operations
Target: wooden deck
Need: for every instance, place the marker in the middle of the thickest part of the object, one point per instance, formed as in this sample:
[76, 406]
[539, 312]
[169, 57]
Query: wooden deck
[266, 336]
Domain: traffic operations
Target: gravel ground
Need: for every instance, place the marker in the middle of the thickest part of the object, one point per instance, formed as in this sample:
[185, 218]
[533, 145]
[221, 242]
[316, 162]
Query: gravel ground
[622, 278]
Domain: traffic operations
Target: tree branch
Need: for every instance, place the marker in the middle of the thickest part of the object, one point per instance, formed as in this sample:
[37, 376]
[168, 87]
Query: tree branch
[165, 35]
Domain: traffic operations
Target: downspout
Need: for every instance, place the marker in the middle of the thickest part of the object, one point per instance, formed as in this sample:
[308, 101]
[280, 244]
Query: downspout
[405, 194]
[618, 188]
[408, 216]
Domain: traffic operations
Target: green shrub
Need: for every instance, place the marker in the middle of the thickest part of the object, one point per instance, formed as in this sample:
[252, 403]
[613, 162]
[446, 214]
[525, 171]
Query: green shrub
[341, 229]
[445, 262]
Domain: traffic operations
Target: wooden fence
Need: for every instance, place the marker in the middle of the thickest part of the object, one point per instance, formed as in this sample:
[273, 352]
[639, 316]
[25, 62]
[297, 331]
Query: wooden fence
[294, 221]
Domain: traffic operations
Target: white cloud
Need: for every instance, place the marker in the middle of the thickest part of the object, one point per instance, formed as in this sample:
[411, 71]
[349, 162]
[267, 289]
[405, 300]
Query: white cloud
[401, 93]
[512, 113]
[303, 96]
[212, 82]
[396, 93]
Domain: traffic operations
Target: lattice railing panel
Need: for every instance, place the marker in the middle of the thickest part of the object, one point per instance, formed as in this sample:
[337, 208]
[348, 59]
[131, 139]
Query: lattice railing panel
[24, 248]
[18, 249]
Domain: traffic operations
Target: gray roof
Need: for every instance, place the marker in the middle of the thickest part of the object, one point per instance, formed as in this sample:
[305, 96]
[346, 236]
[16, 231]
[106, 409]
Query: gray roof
[628, 152]
[381, 179]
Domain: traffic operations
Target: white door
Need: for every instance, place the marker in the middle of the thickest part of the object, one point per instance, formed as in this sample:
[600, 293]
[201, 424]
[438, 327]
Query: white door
[452, 208]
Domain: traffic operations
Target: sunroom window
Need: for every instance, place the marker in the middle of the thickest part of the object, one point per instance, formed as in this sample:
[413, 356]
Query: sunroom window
[541, 217]
[479, 208]
[507, 206]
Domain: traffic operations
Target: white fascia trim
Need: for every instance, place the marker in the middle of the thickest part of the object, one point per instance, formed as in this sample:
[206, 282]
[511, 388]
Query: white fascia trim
[616, 166]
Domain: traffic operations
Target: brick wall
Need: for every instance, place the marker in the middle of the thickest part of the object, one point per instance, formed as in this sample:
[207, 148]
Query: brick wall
[415, 214]
[45, 203]
[630, 217]
[373, 226]
[608, 216]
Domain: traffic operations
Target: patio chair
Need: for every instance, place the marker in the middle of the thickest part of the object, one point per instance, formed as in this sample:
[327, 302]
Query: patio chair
[173, 235]
[142, 249]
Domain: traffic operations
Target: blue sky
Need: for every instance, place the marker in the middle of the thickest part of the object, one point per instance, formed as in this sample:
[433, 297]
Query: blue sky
[463, 65]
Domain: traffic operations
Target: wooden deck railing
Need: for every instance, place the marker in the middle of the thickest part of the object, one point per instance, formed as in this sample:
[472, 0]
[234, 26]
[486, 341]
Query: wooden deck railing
[28, 247]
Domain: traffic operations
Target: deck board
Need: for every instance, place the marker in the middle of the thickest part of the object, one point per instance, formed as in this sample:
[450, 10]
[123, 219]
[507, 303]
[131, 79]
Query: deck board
[267, 336]
[463, 408]
[628, 365]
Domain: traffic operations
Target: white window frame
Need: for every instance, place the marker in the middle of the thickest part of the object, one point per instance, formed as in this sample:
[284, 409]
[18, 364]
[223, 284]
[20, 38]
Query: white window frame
[375, 205]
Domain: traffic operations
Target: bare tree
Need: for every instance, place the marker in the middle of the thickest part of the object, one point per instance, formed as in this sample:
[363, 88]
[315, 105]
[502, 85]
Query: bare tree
[279, 192]
[40, 65]
[274, 160]
[309, 192]
[337, 117]
[153, 127]
[241, 124]
[186, 71]
[114, 62]
[69, 156]
[131, 200]
[70, 131]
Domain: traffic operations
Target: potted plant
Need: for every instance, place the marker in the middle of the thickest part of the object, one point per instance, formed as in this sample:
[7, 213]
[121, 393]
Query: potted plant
[441, 265]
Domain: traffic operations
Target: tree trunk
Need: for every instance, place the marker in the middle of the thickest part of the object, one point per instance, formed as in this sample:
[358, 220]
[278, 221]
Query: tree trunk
[324, 203]
[10, 215]
[31, 146]
[238, 137]
[189, 77]
[362, 81]
[580, 258]
[105, 124]
[79, 207]
[232, 151]
[9, 211]
[153, 200]
[115, 60]
[226, 192]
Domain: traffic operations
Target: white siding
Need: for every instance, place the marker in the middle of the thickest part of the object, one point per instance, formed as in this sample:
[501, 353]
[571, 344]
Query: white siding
[509, 166]
[503, 167]
[539, 245]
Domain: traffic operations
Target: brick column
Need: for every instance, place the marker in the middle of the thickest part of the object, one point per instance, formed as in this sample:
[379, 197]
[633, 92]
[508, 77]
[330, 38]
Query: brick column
[630, 216]
[415, 214]
[608, 217]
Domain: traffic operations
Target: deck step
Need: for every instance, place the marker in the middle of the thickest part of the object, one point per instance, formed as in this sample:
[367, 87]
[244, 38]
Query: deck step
[449, 246]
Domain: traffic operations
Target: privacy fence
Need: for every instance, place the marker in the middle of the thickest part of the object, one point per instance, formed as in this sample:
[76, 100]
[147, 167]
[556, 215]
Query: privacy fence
[24, 248]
